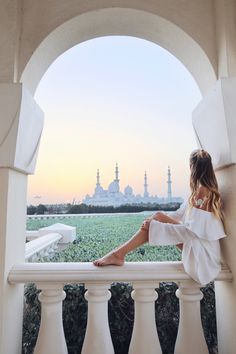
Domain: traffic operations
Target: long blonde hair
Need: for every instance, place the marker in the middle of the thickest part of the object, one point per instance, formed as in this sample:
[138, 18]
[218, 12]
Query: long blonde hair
[202, 173]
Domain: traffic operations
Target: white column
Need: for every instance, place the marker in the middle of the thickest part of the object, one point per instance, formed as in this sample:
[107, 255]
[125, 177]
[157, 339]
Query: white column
[97, 338]
[190, 338]
[20, 129]
[13, 186]
[144, 337]
[51, 338]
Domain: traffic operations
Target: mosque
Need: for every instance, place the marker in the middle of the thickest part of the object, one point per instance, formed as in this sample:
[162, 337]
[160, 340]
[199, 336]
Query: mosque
[113, 195]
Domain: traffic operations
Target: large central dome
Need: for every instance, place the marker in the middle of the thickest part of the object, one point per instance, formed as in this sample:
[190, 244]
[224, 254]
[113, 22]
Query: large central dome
[114, 187]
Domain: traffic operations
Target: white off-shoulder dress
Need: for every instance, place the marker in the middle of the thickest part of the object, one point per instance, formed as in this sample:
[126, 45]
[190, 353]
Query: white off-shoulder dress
[199, 231]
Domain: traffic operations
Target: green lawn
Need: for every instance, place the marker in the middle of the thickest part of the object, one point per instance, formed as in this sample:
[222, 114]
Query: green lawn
[98, 235]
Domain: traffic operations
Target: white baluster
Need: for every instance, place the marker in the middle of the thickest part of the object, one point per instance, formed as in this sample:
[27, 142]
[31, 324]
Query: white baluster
[190, 338]
[144, 337]
[35, 257]
[97, 338]
[51, 338]
[50, 250]
[55, 246]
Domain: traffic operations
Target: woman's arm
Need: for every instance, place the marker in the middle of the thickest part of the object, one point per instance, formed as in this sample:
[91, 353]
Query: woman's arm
[177, 214]
[161, 217]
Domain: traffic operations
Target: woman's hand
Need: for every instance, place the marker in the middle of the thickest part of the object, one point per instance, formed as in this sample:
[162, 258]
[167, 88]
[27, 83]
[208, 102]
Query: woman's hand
[146, 224]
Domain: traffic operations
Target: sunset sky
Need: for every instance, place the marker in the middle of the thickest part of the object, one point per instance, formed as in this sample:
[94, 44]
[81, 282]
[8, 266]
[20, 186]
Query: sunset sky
[108, 100]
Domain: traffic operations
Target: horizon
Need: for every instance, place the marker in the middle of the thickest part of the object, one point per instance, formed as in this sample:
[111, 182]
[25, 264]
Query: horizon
[112, 99]
[121, 190]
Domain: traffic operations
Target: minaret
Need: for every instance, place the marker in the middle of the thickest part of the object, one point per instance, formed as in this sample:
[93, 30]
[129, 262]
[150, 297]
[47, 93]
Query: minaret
[145, 194]
[169, 193]
[98, 179]
[117, 174]
[116, 180]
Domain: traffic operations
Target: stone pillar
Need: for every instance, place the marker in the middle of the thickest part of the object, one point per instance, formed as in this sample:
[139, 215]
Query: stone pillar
[144, 337]
[51, 338]
[20, 128]
[225, 17]
[214, 121]
[190, 338]
[225, 292]
[97, 338]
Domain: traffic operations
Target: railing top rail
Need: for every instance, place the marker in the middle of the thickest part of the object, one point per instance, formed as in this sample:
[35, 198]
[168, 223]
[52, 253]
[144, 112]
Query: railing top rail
[87, 272]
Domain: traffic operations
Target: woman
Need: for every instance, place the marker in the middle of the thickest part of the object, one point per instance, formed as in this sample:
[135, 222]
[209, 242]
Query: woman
[195, 227]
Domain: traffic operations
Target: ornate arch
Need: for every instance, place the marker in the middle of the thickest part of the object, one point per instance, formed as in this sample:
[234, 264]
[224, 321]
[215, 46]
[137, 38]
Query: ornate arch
[120, 21]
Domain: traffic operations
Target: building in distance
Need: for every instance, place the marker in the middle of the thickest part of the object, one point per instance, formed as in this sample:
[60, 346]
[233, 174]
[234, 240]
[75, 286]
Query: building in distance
[114, 197]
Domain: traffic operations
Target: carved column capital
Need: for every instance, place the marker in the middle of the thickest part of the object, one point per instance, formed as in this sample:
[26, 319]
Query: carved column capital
[21, 122]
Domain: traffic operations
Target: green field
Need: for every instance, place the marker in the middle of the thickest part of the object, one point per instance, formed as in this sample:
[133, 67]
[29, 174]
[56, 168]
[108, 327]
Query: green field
[98, 235]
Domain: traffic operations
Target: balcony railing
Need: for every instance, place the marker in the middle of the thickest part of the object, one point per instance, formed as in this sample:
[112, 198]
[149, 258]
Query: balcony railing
[145, 278]
[41, 247]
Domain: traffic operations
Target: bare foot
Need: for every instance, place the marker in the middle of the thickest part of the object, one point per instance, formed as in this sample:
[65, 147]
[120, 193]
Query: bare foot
[109, 259]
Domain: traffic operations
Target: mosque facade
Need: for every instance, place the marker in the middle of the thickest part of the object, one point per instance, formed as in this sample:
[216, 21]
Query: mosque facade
[113, 195]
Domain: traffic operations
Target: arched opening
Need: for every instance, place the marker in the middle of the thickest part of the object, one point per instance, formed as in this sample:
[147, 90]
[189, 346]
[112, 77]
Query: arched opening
[132, 92]
[87, 132]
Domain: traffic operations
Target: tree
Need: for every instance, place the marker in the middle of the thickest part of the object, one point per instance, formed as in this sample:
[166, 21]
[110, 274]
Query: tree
[31, 210]
[41, 209]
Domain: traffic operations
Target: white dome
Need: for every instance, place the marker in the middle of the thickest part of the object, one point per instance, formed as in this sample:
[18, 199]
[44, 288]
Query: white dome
[99, 190]
[113, 187]
[128, 190]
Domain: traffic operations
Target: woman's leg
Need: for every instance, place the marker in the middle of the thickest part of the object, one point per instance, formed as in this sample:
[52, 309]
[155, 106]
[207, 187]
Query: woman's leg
[117, 256]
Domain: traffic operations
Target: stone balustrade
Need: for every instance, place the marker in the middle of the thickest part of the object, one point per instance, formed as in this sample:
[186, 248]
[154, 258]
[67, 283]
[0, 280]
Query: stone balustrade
[83, 216]
[41, 247]
[145, 277]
